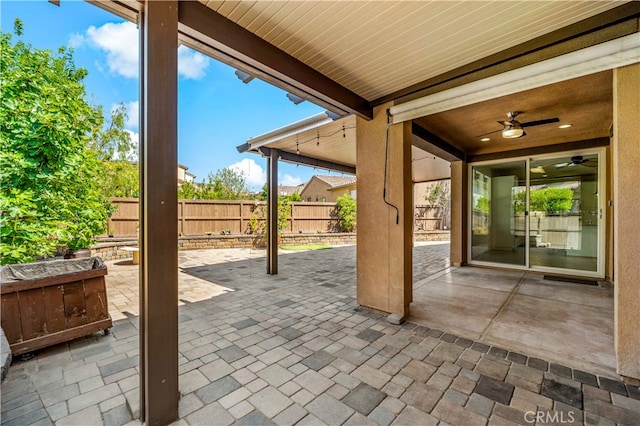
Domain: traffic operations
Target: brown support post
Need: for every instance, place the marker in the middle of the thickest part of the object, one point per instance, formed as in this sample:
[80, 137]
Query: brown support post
[272, 212]
[141, 277]
[159, 214]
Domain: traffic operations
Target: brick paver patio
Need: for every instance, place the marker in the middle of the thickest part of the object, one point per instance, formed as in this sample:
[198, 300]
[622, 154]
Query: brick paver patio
[296, 349]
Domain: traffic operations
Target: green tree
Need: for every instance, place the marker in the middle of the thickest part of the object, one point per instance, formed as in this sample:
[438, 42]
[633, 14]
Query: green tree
[346, 211]
[48, 173]
[225, 184]
[549, 200]
[263, 194]
[118, 154]
[295, 197]
[120, 179]
[437, 195]
[187, 191]
[482, 204]
[112, 142]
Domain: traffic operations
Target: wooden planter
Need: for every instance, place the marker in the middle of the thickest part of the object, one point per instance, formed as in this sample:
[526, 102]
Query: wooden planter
[40, 310]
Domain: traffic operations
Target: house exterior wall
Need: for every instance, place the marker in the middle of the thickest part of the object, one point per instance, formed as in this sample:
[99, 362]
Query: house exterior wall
[626, 199]
[384, 256]
[338, 192]
[317, 190]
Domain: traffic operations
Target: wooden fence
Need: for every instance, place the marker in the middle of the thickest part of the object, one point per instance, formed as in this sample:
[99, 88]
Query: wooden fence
[215, 217]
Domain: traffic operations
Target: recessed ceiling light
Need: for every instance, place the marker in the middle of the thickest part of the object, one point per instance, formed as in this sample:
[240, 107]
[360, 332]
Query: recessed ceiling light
[485, 139]
[564, 126]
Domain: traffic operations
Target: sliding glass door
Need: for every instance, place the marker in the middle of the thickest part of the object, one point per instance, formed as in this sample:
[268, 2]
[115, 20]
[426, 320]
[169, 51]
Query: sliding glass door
[498, 225]
[541, 213]
[564, 212]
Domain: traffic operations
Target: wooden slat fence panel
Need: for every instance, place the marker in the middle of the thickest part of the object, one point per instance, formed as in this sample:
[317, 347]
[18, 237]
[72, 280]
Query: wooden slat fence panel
[201, 217]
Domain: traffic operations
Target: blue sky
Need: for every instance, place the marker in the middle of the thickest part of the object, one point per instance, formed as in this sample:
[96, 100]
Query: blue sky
[216, 110]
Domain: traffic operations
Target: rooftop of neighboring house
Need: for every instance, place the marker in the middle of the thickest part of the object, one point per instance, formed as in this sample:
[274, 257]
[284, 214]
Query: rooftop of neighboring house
[336, 181]
[287, 190]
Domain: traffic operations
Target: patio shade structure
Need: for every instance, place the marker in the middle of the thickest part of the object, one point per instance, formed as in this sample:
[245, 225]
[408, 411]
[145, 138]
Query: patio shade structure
[323, 142]
[377, 61]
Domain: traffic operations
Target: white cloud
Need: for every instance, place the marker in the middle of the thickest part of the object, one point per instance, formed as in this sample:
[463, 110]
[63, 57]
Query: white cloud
[288, 180]
[191, 64]
[120, 43]
[133, 115]
[256, 177]
[76, 40]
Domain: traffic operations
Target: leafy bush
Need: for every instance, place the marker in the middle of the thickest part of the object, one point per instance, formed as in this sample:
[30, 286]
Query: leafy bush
[258, 218]
[346, 210]
[437, 195]
[48, 173]
[482, 204]
[549, 200]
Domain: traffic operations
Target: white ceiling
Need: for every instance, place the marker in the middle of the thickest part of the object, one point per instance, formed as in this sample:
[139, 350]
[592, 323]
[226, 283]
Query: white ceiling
[375, 48]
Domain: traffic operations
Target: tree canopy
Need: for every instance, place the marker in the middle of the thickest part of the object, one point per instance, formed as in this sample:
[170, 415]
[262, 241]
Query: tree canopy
[48, 172]
[225, 184]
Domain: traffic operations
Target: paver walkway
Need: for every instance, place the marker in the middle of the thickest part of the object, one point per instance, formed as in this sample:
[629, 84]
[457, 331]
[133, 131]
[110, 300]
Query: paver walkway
[296, 349]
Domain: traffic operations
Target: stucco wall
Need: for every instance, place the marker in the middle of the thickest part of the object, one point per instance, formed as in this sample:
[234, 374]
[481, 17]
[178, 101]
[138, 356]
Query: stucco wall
[459, 202]
[384, 279]
[626, 198]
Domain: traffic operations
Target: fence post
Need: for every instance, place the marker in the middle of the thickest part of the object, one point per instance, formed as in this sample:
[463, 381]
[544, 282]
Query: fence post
[181, 216]
[241, 217]
[292, 215]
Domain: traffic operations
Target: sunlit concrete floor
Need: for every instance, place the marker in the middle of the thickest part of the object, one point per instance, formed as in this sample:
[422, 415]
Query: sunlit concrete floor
[520, 311]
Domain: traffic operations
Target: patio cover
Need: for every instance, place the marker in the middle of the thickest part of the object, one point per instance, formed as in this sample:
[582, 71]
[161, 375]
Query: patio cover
[320, 141]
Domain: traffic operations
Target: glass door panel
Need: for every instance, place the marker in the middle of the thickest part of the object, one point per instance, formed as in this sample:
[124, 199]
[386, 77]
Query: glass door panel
[498, 225]
[564, 212]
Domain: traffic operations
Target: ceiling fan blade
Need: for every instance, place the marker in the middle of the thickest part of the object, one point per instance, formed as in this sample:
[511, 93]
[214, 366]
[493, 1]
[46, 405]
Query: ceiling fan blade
[490, 133]
[505, 123]
[560, 165]
[540, 122]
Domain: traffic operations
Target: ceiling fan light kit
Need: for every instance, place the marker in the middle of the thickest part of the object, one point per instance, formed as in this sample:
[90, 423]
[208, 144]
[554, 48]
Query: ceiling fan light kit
[514, 129]
[512, 132]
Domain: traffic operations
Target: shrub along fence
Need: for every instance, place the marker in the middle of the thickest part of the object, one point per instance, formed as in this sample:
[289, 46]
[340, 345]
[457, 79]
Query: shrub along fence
[216, 217]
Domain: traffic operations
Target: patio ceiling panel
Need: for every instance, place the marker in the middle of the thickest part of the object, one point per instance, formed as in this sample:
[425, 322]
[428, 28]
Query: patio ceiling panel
[377, 48]
[334, 142]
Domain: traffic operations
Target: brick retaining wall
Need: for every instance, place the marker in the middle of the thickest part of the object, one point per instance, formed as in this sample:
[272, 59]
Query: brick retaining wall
[109, 248]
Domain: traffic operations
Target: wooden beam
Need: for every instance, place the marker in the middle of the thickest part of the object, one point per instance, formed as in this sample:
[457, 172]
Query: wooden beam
[309, 161]
[159, 213]
[279, 68]
[142, 295]
[434, 144]
[272, 212]
[609, 20]
[537, 150]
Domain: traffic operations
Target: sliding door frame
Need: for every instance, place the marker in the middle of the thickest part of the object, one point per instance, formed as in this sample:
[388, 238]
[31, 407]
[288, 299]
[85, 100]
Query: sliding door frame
[601, 212]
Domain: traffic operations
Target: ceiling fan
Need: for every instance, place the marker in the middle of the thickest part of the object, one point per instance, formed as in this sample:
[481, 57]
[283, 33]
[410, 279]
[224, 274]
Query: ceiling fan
[578, 160]
[514, 129]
